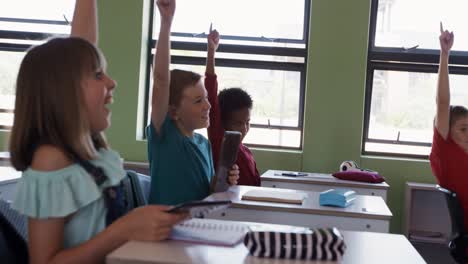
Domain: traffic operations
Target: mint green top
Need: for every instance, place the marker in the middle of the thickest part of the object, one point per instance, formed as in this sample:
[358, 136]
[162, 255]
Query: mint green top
[70, 190]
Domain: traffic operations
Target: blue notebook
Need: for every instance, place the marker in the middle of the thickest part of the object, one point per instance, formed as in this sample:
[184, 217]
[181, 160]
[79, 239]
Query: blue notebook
[337, 197]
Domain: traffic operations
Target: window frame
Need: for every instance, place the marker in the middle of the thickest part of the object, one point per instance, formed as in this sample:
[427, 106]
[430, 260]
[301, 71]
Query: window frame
[19, 47]
[301, 68]
[403, 60]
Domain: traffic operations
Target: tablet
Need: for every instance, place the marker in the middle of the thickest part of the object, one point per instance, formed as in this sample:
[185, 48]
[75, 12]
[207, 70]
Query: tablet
[199, 206]
[227, 158]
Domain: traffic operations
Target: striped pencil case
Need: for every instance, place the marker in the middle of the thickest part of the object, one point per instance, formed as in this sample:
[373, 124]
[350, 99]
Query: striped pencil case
[320, 244]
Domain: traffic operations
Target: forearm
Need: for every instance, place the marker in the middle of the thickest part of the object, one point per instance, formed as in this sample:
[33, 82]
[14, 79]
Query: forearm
[96, 249]
[210, 62]
[161, 78]
[84, 24]
[443, 86]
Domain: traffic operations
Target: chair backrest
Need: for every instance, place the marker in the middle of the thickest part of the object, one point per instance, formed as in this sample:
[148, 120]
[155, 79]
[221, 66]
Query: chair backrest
[455, 211]
[13, 235]
[140, 186]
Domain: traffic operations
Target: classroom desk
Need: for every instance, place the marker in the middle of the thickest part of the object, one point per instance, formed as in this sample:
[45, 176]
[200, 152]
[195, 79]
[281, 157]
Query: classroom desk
[368, 213]
[319, 182]
[362, 248]
[8, 178]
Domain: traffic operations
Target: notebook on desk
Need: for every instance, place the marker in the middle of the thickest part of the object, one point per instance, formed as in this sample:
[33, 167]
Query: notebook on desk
[209, 231]
[275, 196]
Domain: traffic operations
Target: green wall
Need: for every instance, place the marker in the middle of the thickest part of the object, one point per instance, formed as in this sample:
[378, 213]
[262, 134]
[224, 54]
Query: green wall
[334, 94]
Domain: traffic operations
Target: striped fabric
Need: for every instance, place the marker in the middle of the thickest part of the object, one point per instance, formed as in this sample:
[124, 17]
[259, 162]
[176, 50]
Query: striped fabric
[321, 244]
[15, 219]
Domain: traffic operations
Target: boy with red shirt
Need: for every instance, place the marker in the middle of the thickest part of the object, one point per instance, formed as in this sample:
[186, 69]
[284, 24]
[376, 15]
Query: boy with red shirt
[449, 155]
[230, 110]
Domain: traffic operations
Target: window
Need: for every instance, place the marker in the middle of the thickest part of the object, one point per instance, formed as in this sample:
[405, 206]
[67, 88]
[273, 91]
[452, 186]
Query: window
[402, 73]
[20, 28]
[264, 53]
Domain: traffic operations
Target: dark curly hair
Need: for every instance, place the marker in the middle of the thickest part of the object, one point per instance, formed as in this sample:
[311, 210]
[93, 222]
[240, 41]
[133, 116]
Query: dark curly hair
[233, 99]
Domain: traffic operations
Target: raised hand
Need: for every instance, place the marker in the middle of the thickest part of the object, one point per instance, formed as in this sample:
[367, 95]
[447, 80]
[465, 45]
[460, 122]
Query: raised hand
[166, 9]
[446, 40]
[213, 39]
[233, 176]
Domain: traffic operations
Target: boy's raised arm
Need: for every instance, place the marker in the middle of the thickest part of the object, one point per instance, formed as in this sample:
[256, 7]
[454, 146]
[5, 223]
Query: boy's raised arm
[161, 74]
[84, 24]
[443, 88]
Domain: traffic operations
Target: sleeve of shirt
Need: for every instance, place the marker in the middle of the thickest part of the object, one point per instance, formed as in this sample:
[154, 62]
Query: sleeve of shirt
[215, 130]
[212, 171]
[152, 134]
[437, 153]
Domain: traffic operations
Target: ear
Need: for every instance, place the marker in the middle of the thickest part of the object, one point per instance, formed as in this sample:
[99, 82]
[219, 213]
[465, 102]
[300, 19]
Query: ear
[173, 113]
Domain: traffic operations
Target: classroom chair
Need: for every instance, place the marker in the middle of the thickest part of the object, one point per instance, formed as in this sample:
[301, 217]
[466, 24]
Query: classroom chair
[459, 239]
[140, 184]
[13, 235]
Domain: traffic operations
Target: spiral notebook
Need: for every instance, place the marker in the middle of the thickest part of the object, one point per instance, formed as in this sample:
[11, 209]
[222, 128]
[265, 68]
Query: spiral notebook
[209, 231]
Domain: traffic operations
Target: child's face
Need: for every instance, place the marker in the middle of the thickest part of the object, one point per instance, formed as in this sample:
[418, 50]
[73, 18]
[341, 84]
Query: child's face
[98, 90]
[459, 132]
[239, 121]
[194, 109]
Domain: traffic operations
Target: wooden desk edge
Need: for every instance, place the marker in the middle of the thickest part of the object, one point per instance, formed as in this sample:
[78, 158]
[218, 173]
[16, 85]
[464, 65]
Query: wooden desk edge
[318, 182]
[371, 216]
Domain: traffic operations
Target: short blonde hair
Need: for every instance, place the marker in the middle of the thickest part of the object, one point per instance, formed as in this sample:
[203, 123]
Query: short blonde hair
[49, 106]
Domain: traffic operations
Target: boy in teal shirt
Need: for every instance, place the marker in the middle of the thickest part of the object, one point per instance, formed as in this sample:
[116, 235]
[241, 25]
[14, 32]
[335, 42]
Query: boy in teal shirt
[181, 162]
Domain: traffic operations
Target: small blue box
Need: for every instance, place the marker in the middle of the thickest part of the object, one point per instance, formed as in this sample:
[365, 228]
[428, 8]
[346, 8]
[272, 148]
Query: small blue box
[337, 197]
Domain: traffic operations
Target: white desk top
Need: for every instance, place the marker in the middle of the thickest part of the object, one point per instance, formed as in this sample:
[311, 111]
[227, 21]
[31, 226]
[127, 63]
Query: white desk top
[320, 179]
[9, 174]
[362, 248]
[365, 206]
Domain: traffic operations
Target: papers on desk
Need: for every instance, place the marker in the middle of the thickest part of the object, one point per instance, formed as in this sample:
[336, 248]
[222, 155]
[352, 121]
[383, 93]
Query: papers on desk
[275, 196]
[209, 231]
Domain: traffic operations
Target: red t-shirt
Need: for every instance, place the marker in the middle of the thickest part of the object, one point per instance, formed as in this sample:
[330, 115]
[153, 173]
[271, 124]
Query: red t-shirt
[248, 173]
[449, 163]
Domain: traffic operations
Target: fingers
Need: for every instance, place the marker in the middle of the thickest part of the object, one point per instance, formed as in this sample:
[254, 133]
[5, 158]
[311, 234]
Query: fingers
[162, 233]
[211, 27]
[441, 28]
[215, 34]
[233, 175]
[160, 207]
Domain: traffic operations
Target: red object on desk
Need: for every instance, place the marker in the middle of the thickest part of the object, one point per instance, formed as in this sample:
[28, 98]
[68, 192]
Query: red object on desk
[361, 176]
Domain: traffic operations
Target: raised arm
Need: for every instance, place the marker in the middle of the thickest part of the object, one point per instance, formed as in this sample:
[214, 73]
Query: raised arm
[84, 24]
[162, 59]
[213, 44]
[443, 88]
[215, 130]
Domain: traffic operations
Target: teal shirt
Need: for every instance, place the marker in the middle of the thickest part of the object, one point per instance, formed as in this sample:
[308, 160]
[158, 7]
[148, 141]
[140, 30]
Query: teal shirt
[67, 191]
[181, 167]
